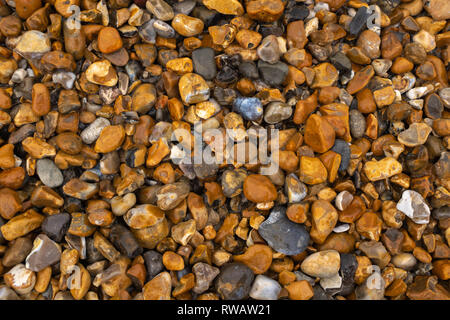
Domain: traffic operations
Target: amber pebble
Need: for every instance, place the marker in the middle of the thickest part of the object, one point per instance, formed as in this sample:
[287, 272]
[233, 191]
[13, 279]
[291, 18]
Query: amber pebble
[300, 290]
[360, 79]
[187, 26]
[110, 139]
[173, 261]
[319, 134]
[265, 10]
[10, 203]
[257, 257]
[297, 212]
[25, 8]
[259, 188]
[312, 171]
[109, 40]
[324, 218]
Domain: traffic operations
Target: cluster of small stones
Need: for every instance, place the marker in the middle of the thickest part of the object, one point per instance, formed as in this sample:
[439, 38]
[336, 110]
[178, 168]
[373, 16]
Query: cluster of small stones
[93, 205]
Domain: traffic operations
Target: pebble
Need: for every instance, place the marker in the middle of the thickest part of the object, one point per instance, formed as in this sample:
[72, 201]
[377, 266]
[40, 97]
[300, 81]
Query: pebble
[283, 235]
[385, 168]
[324, 218]
[17, 252]
[56, 226]
[295, 189]
[276, 112]
[300, 290]
[153, 263]
[33, 44]
[322, 264]
[20, 279]
[264, 288]
[193, 88]
[49, 173]
[204, 64]
[159, 288]
[45, 252]
[250, 108]
[413, 205]
[187, 26]
[341, 147]
[204, 276]
[273, 74]
[257, 257]
[109, 40]
[357, 124]
[415, 135]
[258, 188]
[234, 281]
[319, 134]
[312, 171]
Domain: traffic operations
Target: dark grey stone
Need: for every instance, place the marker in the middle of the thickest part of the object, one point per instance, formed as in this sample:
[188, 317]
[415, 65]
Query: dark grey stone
[204, 64]
[282, 234]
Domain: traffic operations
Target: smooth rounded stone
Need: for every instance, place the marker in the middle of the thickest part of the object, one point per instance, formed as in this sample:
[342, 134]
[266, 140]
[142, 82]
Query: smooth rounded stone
[333, 282]
[269, 50]
[372, 288]
[153, 263]
[124, 240]
[413, 206]
[357, 124]
[163, 29]
[283, 235]
[204, 276]
[322, 264]
[276, 112]
[234, 281]
[294, 188]
[273, 74]
[7, 293]
[347, 270]
[248, 69]
[404, 260]
[17, 252]
[121, 204]
[49, 173]
[45, 252]
[204, 63]
[341, 147]
[171, 195]
[264, 288]
[92, 132]
[56, 226]
[33, 44]
[249, 108]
